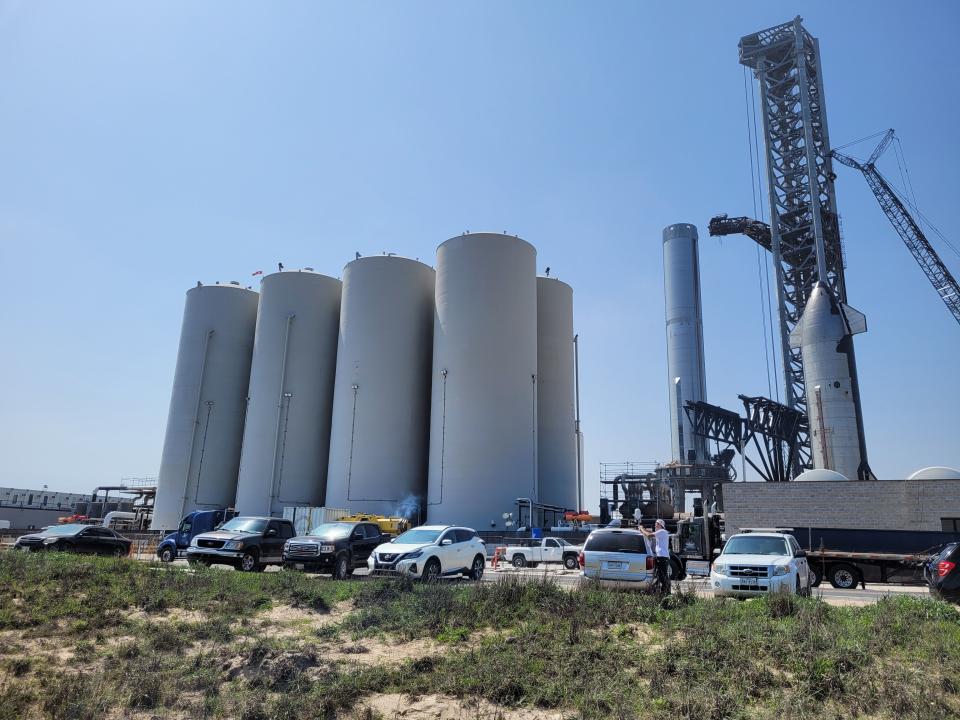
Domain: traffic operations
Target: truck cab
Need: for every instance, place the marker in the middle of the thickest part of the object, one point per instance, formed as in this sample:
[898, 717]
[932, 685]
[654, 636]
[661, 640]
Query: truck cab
[176, 543]
[696, 541]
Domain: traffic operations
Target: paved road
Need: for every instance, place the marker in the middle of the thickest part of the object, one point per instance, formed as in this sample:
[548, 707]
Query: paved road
[571, 578]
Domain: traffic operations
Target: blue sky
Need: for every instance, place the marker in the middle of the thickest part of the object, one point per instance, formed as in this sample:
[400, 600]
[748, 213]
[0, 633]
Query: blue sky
[145, 146]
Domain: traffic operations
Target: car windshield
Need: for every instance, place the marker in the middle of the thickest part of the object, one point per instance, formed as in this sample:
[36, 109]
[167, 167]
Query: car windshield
[753, 545]
[245, 524]
[332, 531]
[64, 529]
[626, 542]
[563, 543]
[418, 536]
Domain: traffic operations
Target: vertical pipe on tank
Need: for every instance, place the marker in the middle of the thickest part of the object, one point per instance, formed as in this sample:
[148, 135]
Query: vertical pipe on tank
[201, 450]
[287, 434]
[482, 436]
[556, 401]
[686, 378]
[381, 405]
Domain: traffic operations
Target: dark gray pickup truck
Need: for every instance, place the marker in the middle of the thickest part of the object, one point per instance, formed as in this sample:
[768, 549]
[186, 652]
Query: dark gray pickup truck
[247, 543]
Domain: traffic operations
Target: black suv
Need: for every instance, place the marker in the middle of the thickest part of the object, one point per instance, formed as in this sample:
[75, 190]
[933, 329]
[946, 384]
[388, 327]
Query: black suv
[247, 543]
[942, 573]
[335, 547]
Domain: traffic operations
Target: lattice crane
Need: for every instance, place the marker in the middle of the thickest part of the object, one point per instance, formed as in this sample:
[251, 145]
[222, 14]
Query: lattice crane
[918, 245]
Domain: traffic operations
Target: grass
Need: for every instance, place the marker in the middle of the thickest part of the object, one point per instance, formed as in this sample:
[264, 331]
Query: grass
[154, 642]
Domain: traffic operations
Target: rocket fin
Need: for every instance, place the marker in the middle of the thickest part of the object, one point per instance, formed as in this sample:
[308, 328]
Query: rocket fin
[856, 320]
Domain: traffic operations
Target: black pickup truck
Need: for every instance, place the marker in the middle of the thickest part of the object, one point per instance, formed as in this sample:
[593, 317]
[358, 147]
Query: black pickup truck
[247, 543]
[338, 548]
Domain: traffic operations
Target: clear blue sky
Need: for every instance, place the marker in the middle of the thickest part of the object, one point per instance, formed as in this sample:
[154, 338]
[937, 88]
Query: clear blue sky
[145, 146]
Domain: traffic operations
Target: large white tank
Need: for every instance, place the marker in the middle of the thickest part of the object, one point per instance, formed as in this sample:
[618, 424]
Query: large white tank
[381, 405]
[201, 450]
[556, 412]
[936, 473]
[483, 417]
[287, 435]
[820, 475]
[686, 377]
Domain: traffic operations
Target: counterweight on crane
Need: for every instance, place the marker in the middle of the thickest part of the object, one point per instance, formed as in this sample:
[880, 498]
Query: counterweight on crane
[918, 245]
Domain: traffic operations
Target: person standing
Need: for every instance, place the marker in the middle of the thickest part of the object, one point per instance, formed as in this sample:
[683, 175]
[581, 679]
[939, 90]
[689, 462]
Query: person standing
[662, 554]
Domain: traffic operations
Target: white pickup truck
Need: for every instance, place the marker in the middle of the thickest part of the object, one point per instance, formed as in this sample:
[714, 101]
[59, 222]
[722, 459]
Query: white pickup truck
[547, 550]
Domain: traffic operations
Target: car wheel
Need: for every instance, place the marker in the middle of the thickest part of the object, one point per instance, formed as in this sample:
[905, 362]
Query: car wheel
[431, 571]
[519, 561]
[119, 552]
[248, 563]
[844, 577]
[798, 590]
[342, 568]
[570, 562]
[166, 555]
[476, 571]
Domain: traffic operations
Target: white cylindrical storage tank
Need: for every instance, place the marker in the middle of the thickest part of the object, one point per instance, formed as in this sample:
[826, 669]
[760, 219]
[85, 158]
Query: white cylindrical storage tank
[483, 416]
[556, 412]
[686, 377]
[201, 450]
[820, 475]
[287, 436]
[381, 406]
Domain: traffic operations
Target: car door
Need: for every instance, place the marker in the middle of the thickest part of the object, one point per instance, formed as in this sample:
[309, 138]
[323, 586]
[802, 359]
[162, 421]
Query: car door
[800, 559]
[447, 551]
[374, 538]
[86, 540]
[271, 547]
[551, 551]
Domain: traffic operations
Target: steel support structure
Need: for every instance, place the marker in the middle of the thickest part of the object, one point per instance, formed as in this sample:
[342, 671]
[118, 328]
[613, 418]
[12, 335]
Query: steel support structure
[804, 230]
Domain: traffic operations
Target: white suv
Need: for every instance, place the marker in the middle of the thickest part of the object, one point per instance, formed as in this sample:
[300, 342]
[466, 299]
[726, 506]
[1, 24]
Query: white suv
[756, 563]
[431, 551]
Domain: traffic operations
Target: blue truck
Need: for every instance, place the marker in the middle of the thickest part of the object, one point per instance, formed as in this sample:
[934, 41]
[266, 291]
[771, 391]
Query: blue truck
[176, 543]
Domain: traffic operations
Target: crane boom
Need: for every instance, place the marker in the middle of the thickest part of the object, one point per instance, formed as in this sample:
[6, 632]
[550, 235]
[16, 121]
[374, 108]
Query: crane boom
[913, 237]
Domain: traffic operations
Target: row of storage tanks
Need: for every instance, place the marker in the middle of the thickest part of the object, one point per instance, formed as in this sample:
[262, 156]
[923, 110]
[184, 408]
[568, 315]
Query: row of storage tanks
[444, 395]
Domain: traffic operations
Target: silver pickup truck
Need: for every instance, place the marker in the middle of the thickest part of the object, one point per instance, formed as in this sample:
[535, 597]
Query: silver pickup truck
[547, 550]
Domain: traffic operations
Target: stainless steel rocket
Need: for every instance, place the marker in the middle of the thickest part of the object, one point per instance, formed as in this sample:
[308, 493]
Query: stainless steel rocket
[824, 335]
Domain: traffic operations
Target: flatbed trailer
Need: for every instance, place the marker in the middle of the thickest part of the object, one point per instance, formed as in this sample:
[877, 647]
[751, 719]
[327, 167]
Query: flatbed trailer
[846, 570]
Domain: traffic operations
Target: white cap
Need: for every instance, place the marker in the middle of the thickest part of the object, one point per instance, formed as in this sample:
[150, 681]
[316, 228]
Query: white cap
[661, 523]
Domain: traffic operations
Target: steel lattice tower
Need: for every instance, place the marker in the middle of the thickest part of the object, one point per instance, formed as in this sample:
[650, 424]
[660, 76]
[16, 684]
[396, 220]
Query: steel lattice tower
[805, 234]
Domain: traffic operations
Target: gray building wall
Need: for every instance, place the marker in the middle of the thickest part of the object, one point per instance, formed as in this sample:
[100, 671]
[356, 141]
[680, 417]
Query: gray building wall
[30, 518]
[877, 504]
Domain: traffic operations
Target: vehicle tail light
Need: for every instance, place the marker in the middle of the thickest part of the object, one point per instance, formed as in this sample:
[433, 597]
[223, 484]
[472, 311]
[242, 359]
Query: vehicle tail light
[945, 567]
[582, 560]
[649, 562]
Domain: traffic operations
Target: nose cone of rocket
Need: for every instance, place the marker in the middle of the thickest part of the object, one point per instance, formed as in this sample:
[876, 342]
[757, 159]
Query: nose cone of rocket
[826, 318]
[822, 319]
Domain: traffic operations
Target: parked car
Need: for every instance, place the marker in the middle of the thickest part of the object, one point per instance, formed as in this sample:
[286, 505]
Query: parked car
[431, 551]
[176, 543]
[90, 539]
[618, 557]
[546, 550]
[247, 543]
[757, 563]
[336, 547]
[942, 573]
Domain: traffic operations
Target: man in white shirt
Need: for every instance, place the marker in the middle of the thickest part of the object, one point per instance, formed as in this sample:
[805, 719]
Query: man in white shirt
[662, 540]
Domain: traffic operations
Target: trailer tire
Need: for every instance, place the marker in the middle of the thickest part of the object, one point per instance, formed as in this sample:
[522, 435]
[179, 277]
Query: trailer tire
[167, 555]
[815, 576]
[519, 560]
[570, 562]
[844, 576]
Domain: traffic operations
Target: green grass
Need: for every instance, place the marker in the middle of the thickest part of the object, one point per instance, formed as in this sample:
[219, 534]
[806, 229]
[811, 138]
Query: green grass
[591, 652]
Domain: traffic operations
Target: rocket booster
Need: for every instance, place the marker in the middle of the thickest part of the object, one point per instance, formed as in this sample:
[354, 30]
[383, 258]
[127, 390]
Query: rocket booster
[824, 335]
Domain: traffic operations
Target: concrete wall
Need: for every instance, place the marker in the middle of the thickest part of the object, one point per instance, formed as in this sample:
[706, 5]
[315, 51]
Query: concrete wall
[880, 504]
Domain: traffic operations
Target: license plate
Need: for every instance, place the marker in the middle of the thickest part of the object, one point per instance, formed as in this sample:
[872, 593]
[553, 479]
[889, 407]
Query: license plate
[616, 565]
[298, 566]
[750, 581]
